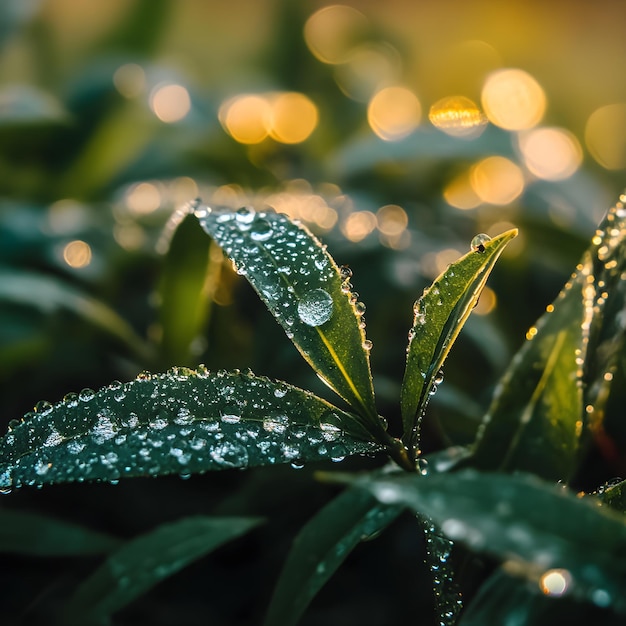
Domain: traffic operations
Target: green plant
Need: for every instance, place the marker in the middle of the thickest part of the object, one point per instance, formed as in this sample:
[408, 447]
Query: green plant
[532, 535]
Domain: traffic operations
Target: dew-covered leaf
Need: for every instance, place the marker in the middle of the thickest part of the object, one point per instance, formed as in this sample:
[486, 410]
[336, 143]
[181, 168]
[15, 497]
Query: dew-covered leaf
[47, 294]
[143, 562]
[182, 422]
[184, 287]
[439, 315]
[519, 517]
[321, 547]
[29, 533]
[536, 419]
[306, 292]
[613, 494]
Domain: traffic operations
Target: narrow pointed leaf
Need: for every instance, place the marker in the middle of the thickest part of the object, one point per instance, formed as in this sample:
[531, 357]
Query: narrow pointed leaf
[181, 422]
[321, 547]
[302, 286]
[540, 525]
[183, 289]
[535, 422]
[439, 316]
[47, 294]
[145, 561]
[29, 533]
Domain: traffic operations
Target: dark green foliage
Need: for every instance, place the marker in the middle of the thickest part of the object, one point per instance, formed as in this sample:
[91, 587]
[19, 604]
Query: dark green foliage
[468, 533]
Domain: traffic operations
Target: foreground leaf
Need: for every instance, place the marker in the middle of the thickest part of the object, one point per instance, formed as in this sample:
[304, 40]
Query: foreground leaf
[37, 535]
[535, 422]
[321, 547]
[145, 561]
[181, 422]
[439, 316]
[506, 600]
[302, 286]
[542, 526]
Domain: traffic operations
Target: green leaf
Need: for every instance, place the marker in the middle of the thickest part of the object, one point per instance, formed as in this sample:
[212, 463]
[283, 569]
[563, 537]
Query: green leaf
[36, 535]
[184, 289]
[48, 294]
[613, 495]
[535, 422]
[143, 562]
[303, 288]
[439, 315]
[539, 525]
[181, 422]
[321, 547]
[503, 599]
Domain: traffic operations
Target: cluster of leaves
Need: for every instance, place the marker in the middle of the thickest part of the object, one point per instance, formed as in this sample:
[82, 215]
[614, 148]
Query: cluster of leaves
[70, 134]
[185, 421]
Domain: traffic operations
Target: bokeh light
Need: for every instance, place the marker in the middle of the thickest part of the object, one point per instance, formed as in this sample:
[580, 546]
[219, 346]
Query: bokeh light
[392, 220]
[370, 67]
[143, 198]
[457, 116]
[293, 118]
[555, 582]
[77, 254]
[551, 153]
[394, 113]
[496, 180]
[513, 99]
[130, 80]
[460, 194]
[333, 31]
[170, 102]
[246, 118]
[605, 136]
[358, 225]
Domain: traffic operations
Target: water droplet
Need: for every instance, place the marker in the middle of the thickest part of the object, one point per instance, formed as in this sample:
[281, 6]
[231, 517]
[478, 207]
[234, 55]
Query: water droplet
[345, 272]
[478, 242]
[367, 345]
[316, 307]
[145, 375]
[231, 418]
[276, 424]
[71, 399]
[279, 392]
[321, 263]
[54, 439]
[43, 407]
[261, 230]
[41, 467]
[297, 463]
[230, 455]
[359, 308]
[244, 217]
[422, 466]
[330, 432]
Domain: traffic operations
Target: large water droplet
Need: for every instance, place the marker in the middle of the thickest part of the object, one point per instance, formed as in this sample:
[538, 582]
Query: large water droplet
[244, 217]
[261, 230]
[316, 307]
[478, 242]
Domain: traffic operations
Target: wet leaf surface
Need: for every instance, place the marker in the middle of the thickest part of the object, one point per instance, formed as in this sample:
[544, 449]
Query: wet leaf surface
[306, 292]
[181, 422]
[540, 526]
[439, 316]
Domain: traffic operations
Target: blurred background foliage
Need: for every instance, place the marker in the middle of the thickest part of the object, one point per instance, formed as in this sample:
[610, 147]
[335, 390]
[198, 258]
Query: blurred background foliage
[395, 131]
